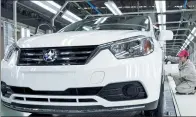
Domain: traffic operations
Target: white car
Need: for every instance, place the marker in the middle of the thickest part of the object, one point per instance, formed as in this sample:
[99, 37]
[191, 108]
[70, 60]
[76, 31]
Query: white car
[97, 65]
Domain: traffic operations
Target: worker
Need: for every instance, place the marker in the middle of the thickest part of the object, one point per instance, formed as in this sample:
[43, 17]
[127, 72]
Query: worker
[186, 79]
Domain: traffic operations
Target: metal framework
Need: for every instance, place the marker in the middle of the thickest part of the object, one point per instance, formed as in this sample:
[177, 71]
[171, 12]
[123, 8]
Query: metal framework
[173, 22]
[15, 19]
[175, 29]
[64, 5]
[60, 10]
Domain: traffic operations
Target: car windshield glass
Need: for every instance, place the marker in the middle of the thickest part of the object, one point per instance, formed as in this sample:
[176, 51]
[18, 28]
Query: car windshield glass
[110, 23]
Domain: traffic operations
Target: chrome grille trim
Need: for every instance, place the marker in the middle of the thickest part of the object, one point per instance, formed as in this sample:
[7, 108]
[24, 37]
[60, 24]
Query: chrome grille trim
[74, 55]
[31, 59]
[72, 58]
[84, 52]
[32, 54]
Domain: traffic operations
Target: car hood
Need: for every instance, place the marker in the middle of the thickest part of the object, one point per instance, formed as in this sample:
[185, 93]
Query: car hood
[77, 38]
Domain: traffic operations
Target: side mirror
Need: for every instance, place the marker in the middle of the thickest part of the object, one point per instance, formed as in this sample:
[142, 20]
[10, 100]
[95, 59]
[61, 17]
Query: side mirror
[165, 35]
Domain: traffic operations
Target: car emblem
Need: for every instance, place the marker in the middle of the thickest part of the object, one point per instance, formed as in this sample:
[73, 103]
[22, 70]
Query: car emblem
[50, 55]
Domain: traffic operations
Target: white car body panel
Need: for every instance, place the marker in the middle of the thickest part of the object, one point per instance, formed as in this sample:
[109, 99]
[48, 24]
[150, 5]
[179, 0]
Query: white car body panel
[171, 68]
[102, 70]
[78, 38]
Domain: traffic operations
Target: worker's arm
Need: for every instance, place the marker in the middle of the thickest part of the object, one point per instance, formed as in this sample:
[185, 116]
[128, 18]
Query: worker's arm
[176, 75]
[173, 59]
[188, 73]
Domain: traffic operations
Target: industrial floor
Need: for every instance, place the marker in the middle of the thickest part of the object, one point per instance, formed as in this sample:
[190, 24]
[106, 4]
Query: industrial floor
[185, 104]
[169, 109]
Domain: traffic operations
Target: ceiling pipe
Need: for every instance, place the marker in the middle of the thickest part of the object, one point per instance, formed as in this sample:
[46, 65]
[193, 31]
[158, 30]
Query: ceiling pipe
[185, 3]
[93, 7]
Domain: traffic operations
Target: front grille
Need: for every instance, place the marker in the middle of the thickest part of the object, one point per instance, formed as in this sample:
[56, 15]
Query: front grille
[75, 55]
[87, 91]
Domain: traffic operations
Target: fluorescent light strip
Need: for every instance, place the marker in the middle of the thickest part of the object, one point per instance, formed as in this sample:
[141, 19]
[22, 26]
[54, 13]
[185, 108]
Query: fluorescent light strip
[161, 18]
[67, 14]
[162, 27]
[69, 19]
[194, 31]
[160, 6]
[104, 19]
[70, 16]
[113, 8]
[41, 4]
[101, 20]
[98, 20]
[190, 37]
[186, 41]
[73, 15]
[116, 8]
[54, 4]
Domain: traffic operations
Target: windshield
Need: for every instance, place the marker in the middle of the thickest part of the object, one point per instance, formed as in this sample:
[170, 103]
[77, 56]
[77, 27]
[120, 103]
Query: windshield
[110, 23]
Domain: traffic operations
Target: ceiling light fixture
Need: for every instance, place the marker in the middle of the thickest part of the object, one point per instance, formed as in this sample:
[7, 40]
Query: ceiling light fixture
[113, 8]
[53, 7]
[160, 6]
[45, 6]
[162, 19]
[162, 27]
[190, 37]
[101, 20]
[54, 4]
[70, 16]
[194, 31]
[186, 41]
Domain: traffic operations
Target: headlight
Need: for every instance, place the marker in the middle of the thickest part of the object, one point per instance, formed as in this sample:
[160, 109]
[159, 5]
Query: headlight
[10, 50]
[132, 47]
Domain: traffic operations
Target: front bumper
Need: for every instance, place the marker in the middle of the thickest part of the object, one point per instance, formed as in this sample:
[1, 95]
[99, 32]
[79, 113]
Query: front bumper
[76, 109]
[102, 70]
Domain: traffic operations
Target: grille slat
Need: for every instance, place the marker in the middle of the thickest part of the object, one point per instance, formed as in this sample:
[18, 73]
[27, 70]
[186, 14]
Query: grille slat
[67, 53]
[76, 55]
[32, 54]
[73, 58]
[31, 59]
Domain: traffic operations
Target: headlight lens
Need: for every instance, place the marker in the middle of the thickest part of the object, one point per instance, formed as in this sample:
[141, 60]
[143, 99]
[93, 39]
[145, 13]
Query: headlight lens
[10, 50]
[132, 47]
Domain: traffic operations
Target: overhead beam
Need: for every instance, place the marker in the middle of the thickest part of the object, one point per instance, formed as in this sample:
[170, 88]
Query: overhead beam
[173, 42]
[180, 35]
[146, 12]
[179, 29]
[173, 45]
[173, 22]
